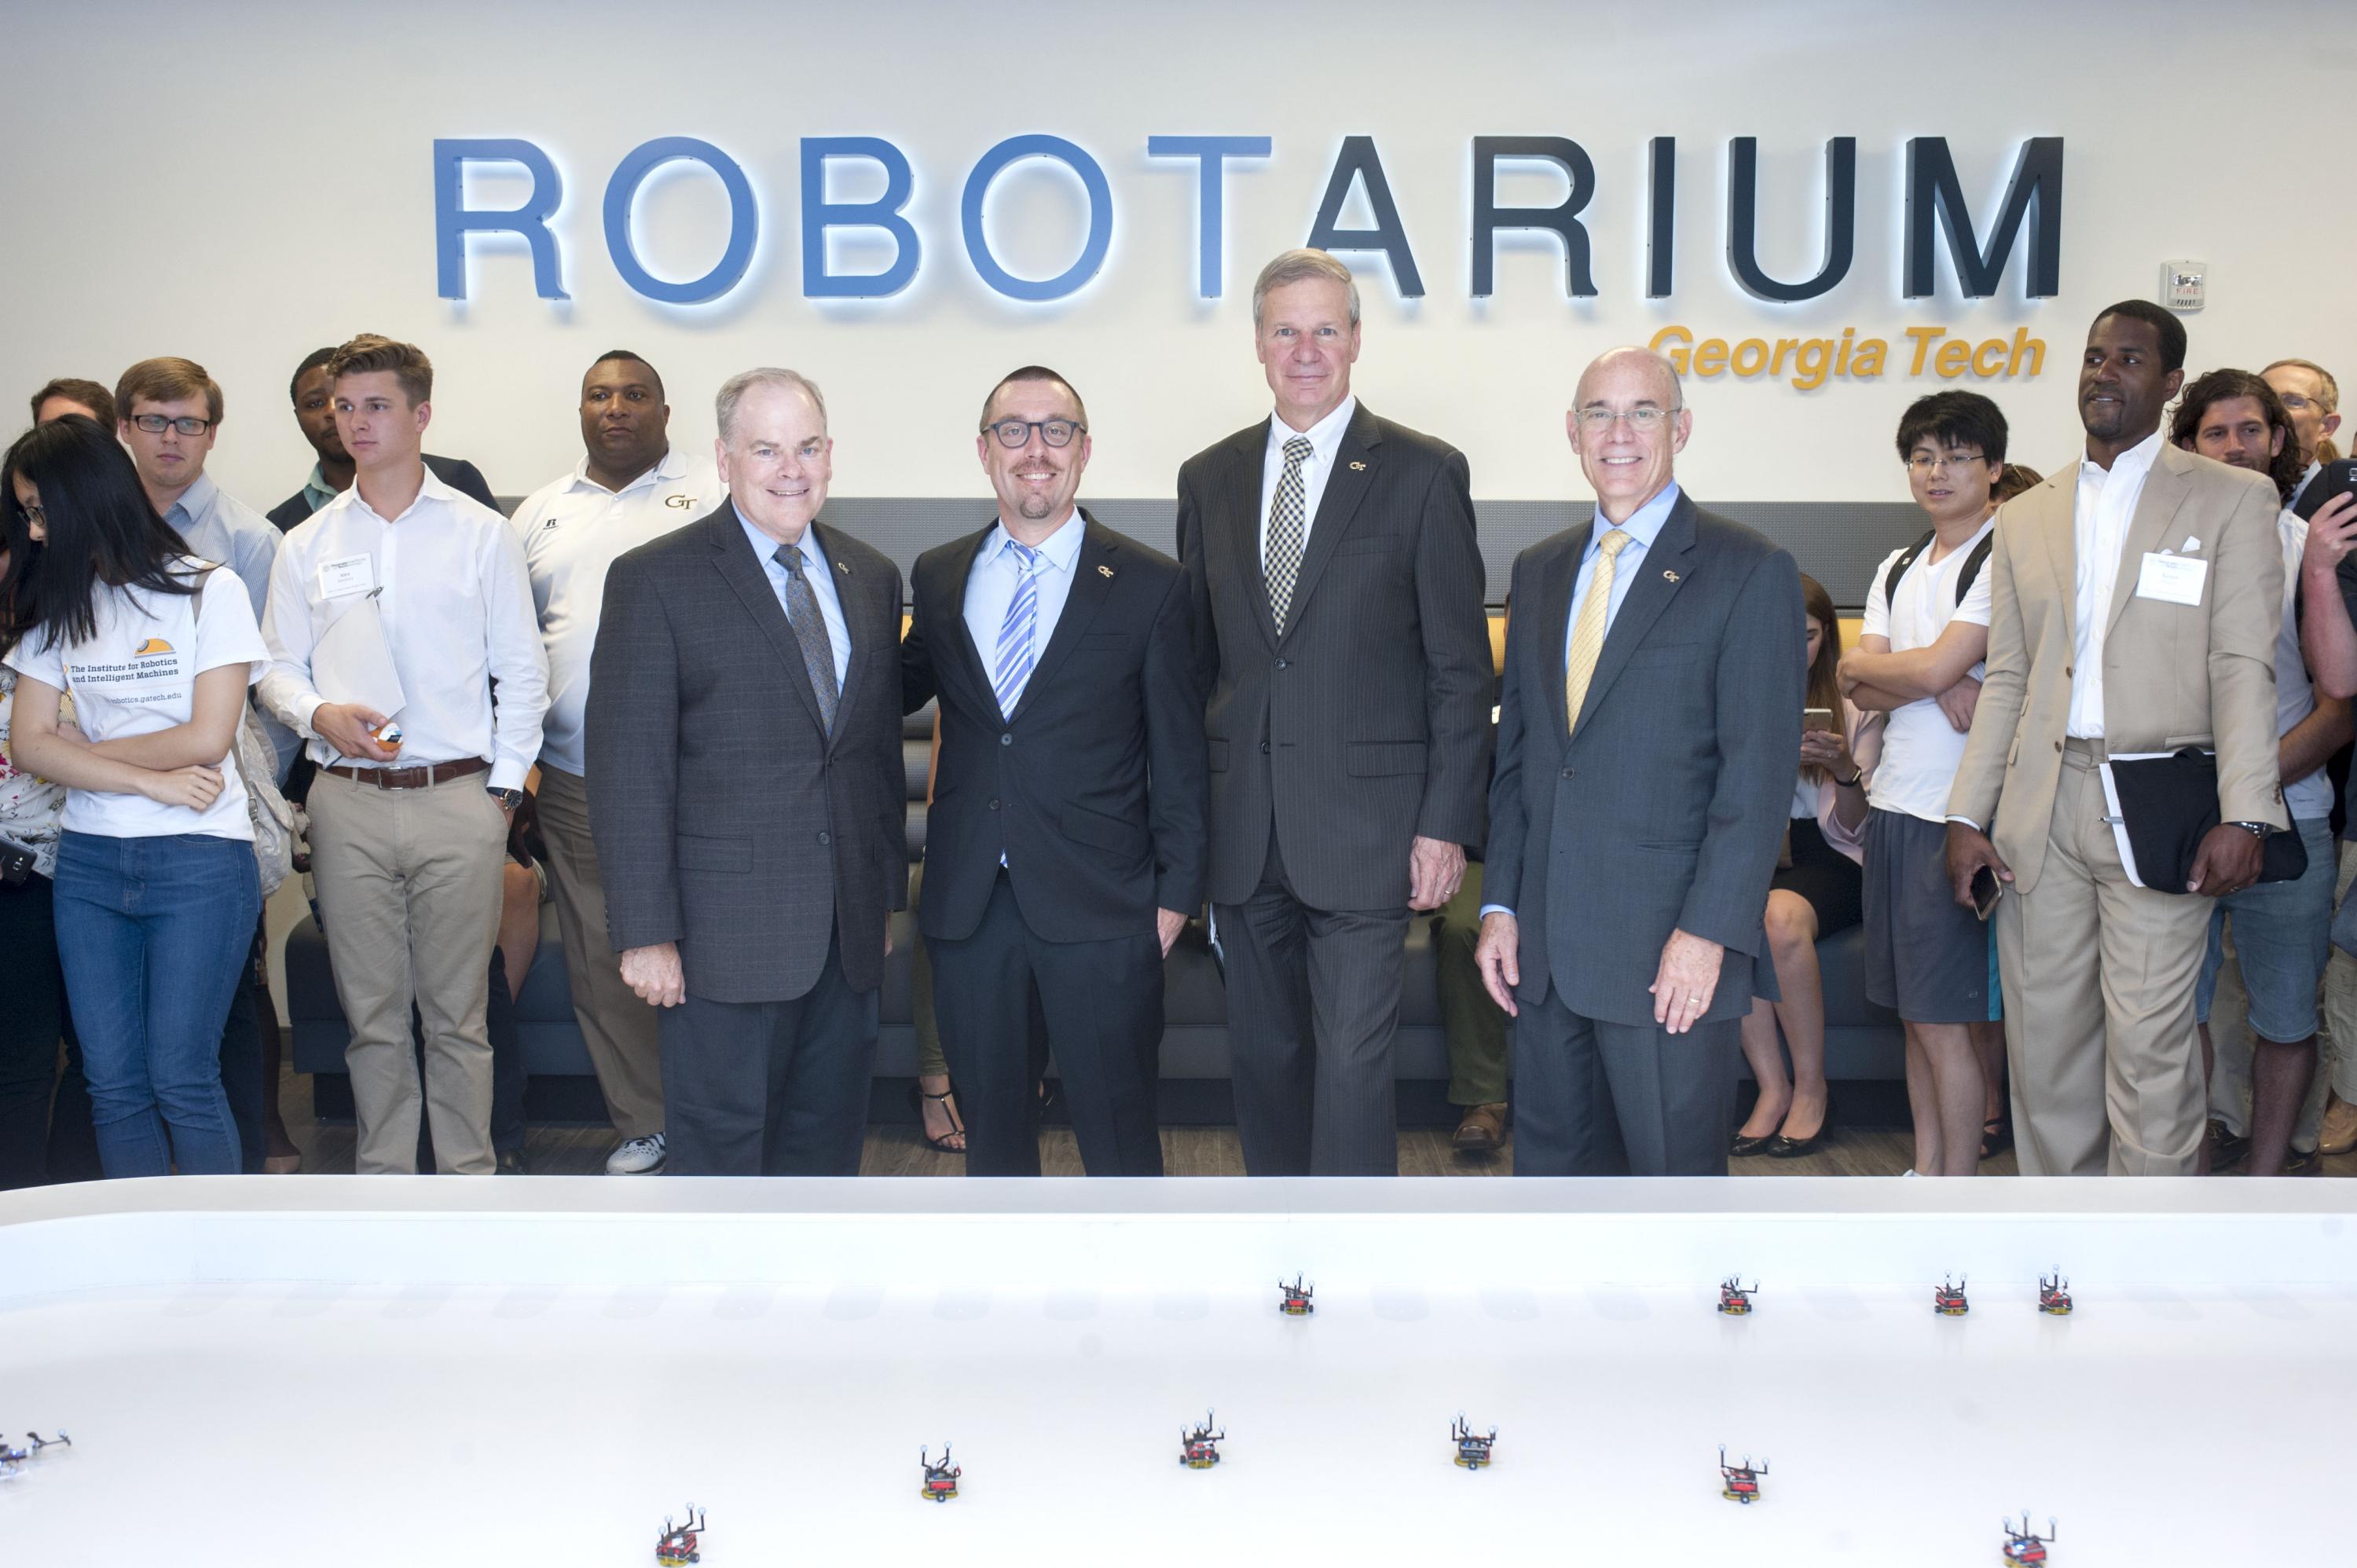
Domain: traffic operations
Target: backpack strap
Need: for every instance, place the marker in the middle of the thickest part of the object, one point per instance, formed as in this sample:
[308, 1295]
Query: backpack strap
[1898, 569]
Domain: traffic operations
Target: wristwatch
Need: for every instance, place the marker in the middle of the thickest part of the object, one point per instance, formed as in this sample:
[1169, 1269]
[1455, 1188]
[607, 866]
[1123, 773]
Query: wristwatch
[1852, 782]
[508, 799]
[2257, 830]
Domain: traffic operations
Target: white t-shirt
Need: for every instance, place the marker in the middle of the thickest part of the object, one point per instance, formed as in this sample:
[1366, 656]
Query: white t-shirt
[572, 528]
[136, 675]
[1920, 750]
[2294, 697]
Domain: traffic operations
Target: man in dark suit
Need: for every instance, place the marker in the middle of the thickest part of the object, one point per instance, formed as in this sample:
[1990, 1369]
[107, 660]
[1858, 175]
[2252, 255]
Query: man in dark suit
[746, 799]
[315, 411]
[1338, 623]
[1648, 723]
[1064, 849]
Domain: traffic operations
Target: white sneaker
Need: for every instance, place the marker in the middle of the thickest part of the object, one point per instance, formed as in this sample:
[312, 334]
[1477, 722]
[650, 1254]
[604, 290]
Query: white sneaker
[639, 1156]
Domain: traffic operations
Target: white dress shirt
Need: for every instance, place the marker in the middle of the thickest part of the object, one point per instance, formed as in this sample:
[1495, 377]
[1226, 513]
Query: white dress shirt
[572, 528]
[2100, 517]
[821, 582]
[998, 571]
[1325, 438]
[457, 614]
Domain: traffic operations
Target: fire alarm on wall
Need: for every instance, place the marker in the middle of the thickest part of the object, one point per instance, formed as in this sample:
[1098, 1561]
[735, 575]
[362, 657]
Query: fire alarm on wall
[2182, 283]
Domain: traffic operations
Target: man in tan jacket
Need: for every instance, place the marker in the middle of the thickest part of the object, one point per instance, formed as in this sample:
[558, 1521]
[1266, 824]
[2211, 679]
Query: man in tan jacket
[2135, 600]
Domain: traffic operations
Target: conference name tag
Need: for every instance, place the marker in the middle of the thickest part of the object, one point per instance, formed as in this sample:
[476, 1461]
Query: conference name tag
[352, 575]
[2173, 579]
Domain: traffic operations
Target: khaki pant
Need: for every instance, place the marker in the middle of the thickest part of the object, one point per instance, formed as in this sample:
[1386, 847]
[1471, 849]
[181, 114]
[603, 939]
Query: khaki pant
[620, 1029]
[409, 891]
[2098, 976]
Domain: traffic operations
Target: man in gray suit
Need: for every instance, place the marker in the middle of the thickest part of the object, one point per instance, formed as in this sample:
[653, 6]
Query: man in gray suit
[746, 799]
[1338, 597]
[1649, 719]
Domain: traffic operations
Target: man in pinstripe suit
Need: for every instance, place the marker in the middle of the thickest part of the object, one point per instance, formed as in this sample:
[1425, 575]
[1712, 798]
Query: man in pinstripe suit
[1648, 727]
[1338, 594]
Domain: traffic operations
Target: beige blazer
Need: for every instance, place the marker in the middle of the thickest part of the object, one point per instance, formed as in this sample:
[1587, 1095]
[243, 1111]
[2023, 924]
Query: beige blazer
[2174, 675]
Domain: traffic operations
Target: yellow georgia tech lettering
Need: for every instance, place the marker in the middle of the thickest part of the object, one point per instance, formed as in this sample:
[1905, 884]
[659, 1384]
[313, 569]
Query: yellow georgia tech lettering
[1809, 362]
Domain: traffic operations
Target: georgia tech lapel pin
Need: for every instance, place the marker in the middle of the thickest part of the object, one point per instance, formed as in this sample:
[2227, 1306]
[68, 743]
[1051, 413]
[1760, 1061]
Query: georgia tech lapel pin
[1358, 467]
[842, 568]
[1668, 574]
[1104, 571]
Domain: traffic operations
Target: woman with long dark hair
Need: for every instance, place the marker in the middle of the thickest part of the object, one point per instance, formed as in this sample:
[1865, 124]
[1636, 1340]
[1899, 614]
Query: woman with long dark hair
[1817, 891]
[156, 892]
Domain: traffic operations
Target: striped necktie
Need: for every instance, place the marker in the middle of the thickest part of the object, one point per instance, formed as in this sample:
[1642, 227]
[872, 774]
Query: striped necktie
[809, 634]
[1011, 668]
[1588, 635]
[1286, 529]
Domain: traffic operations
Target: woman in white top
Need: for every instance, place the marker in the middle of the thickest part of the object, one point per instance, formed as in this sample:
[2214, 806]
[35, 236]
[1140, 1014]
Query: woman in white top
[157, 893]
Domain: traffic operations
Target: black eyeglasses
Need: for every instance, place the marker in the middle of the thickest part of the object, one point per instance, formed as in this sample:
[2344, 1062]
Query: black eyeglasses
[1015, 433]
[186, 424]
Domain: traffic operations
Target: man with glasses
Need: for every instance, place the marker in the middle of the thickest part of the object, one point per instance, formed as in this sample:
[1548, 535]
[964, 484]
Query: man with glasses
[2312, 399]
[630, 488]
[1919, 658]
[169, 416]
[1647, 731]
[1064, 852]
[1340, 632]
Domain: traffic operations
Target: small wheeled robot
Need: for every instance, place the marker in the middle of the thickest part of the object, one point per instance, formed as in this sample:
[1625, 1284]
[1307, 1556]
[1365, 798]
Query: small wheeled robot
[1735, 1297]
[2023, 1545]
[1948, 1299]
[940, 1479]
[1199, 1448]
[680, 1544]
[1740, 1483]
[1472, 1450]
[2054, 1296]
[1296, 1301]
[12, 1460]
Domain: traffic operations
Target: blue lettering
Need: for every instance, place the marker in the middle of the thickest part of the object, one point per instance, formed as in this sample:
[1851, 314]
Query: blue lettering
[743, 219]
[819, 215]
[453, 221]
[1092, 250]
[1210, 154]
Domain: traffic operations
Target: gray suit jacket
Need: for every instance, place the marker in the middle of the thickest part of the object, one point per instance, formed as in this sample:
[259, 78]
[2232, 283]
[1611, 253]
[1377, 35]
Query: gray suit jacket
[1366, 724]
[1664, 812]
[726, 819]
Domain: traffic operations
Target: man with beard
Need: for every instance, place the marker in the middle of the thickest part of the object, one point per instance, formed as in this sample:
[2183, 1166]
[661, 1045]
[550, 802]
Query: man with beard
[2097, 647]
[2280, 928]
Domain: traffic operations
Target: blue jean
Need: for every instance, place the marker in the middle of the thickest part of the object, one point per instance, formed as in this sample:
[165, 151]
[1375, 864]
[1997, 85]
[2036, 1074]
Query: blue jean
[153, 934]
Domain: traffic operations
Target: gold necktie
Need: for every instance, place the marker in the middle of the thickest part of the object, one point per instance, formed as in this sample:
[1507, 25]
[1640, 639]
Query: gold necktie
[1588, 633]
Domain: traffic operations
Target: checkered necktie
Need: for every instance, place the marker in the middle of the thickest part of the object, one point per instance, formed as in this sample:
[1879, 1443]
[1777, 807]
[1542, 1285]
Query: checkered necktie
[809, 632]
[1588, 635]
[1286, 527]
[1012, 665]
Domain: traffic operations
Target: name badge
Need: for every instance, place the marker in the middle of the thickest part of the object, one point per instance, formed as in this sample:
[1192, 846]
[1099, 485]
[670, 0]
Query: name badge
[2173, 579]
[352, 575]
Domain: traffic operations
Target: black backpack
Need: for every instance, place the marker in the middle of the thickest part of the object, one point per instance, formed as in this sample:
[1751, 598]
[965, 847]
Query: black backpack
[1971, 569]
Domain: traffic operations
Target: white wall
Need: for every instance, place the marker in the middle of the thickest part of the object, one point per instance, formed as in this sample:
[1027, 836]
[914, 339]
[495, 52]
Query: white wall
[241, 183]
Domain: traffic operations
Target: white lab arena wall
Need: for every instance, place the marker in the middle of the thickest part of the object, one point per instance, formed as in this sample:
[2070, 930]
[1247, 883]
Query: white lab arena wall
[244, 183]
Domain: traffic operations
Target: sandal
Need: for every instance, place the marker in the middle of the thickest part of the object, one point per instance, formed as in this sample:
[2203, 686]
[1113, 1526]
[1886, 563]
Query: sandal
[940, 1146]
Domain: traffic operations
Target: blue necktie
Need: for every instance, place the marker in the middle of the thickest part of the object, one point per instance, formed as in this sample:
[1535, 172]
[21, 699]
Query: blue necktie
[1012, 666]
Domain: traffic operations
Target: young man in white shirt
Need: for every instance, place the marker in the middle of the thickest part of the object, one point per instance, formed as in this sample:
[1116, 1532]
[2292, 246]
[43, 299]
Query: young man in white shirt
[631, 487]
[408, 824]
[1919, 658]
[2281, 928]
[170, 415]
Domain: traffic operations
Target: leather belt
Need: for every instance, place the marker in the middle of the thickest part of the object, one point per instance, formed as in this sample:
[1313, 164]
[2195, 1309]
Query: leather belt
[420, 777]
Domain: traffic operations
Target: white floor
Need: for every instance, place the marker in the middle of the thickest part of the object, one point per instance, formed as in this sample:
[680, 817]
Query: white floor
[557, 1425]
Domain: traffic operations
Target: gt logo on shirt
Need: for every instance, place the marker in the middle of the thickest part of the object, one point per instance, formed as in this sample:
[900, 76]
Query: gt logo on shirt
[681, 501]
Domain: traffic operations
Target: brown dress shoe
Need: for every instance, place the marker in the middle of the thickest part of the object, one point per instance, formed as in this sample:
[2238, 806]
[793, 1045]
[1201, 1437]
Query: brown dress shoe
[1481, 1130]
[2338, 1135]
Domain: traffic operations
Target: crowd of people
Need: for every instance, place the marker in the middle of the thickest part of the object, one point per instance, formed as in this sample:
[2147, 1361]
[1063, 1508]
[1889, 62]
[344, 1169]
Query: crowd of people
[668, 696]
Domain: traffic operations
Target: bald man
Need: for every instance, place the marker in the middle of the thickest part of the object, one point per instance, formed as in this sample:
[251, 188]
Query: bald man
[1649, 725]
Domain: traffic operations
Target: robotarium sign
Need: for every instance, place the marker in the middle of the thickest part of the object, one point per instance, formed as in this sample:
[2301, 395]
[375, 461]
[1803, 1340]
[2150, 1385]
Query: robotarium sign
[1931, 207]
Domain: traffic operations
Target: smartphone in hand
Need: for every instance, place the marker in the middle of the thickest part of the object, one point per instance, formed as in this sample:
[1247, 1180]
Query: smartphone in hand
[1817, 719]
[1984, 892]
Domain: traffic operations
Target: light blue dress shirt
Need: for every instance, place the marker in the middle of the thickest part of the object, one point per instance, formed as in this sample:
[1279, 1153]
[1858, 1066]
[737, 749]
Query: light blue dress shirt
[1642, 528]
[997, 570]
[821, 582]
[226, 531]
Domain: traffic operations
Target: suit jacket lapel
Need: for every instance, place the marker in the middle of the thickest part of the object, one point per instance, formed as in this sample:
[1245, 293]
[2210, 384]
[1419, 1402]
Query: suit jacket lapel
[1555, 622]
[856, 595]
[1666, 568]
[1246, 460]
[2054, 514]
[2165, 490]
[733, 555]
[1355, 472]
[947, 594]
[1093, 576]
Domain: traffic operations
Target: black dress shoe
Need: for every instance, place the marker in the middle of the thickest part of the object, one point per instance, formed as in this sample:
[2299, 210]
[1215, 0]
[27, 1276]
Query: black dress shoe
[2227, 1149]
[1743, 1148]
[1783, 1148]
